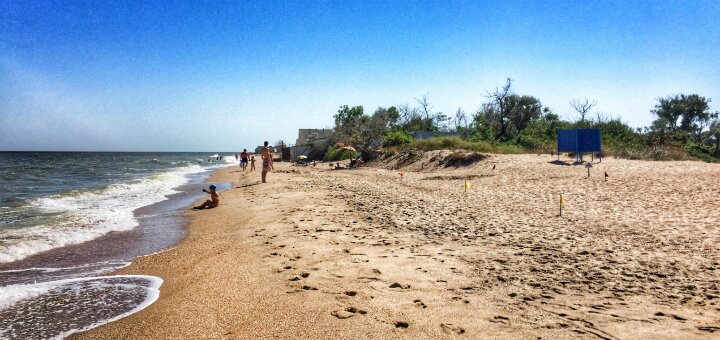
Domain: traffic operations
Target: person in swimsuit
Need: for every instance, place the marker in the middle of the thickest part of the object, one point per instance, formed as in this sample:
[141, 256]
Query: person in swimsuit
[252, 163]
[214, 200]
[244, 157]
[267, 165]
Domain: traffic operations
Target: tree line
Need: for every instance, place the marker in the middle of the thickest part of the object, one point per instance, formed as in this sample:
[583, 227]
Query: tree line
[684, 128]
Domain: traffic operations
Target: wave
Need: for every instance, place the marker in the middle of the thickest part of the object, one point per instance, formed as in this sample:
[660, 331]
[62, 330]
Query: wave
[60, 308]
[87, 215]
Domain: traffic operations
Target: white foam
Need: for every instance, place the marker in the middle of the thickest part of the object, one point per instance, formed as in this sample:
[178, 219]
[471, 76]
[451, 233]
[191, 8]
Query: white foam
[89, 215]
[9, 295]
[153, 293]
[103, 267]
[12, 294]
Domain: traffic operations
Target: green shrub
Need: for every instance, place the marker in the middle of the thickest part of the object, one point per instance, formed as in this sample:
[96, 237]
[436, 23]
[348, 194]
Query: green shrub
[336, 153]
[702, 152]
[455, 143]
[396, 138]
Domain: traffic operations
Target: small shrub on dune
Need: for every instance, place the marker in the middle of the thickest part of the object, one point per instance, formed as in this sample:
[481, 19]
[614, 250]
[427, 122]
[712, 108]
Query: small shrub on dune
[397, 138]
[335, 153]
[455, 143]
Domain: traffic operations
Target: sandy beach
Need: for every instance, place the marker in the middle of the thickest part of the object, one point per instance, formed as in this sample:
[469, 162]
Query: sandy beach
[320, 253]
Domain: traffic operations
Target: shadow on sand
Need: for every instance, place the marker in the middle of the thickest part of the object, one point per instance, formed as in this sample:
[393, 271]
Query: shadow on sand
[248, 185]
[559, 162]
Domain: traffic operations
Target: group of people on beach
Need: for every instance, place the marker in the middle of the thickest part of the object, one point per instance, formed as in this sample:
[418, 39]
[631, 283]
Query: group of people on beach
[245, 158]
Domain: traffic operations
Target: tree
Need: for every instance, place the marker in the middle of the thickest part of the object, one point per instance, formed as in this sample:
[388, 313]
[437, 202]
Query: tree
[507, 113]
[601, 118]
[426, 109]
[346, 116]
[682, 113]
[583, 106]
[523, 110]
[498, 109]
[347, 122]
[393, 117]
[363, 132]
[409, 118]
[461, 123]
[440, 122]
[484, 123]
[714, 135]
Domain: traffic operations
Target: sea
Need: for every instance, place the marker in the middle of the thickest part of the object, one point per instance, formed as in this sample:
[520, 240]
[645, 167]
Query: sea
[68, 219]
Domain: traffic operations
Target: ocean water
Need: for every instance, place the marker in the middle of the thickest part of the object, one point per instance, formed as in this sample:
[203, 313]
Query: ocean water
[68, 218]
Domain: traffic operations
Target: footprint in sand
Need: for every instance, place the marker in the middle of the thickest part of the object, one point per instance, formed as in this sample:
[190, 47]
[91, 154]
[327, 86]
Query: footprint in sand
[398, 285]
[419, 304]
[711, 329]
[347, 313]
[341, 314]
[500, 319]
[401, 324]
[452, 329]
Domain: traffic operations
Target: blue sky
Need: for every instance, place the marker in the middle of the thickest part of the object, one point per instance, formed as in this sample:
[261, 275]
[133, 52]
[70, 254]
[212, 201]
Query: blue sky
[203, 76]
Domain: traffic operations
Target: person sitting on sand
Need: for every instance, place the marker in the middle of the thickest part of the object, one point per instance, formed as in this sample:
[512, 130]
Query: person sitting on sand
[214, 200]
[252, 163]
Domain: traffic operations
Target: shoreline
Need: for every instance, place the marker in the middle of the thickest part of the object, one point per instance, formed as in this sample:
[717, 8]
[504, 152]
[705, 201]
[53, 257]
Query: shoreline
[210, 251]
[39, 281]
[356, 254]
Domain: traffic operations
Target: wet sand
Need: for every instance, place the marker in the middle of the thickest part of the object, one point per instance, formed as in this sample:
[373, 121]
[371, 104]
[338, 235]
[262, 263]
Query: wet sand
[319, 253]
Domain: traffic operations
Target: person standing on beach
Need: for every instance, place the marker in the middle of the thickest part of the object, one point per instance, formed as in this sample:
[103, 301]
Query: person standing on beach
[252, 163]
[266, 155]
[244, 158]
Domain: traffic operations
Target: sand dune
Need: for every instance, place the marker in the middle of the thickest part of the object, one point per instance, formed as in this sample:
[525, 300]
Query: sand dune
[368, 253]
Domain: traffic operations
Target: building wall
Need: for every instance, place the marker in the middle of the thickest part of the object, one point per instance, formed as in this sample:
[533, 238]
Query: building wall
[296, 151]
[305, 134]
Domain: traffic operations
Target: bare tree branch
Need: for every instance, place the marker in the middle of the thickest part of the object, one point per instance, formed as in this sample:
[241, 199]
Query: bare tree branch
[498, 99]
[426, 107]
[583, 106]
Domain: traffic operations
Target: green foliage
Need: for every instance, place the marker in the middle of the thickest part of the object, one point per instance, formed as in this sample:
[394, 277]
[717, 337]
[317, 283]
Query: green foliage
[455, 143]
[703, 151]
[512, 123]
[336, 153]
[353, 127]
[689, 113]
[396, 138]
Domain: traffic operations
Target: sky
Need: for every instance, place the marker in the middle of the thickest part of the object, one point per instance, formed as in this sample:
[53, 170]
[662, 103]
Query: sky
[212, 75]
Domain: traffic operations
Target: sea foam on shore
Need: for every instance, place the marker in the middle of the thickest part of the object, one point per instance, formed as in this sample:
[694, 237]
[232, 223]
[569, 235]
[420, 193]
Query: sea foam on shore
[83, 215]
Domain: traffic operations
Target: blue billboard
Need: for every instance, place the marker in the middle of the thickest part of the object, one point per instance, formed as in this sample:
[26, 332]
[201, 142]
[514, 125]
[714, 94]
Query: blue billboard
[579, 141]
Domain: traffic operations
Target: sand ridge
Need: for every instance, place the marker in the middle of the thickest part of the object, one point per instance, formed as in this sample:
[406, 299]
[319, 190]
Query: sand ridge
[368, 253]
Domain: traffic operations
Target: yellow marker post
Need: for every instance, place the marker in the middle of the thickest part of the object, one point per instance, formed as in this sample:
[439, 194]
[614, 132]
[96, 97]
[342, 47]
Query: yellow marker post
[562, 202]
[467, 185]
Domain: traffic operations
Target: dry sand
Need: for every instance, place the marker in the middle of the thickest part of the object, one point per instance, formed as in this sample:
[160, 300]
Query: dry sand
[366, 253]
